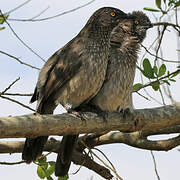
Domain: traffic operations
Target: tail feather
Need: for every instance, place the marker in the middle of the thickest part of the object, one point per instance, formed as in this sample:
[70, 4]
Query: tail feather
[64, 157]
[33, 148]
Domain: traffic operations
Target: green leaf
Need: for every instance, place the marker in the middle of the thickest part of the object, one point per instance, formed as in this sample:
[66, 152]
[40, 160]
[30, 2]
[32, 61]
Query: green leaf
[148, 70]
[155, 70]
[158, 3]
[1, 28]
[42, 160]
[63, 178]
[175, 74]
[51, 169]
[137, 86]
[177, 4]
[155, 86]
[162, 70]
[41, 172]
[49, 178]
[151, 9]
[173, 80]
[165, 81]
[164, 1]
[3, 18]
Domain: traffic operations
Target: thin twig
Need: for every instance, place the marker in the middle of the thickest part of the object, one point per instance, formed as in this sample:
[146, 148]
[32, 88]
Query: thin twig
[17, 94]
[17, 59]
[155, 167]
[106, 158]
[166, 24]
[55, 16]
[158, 56]
[39, 14]
[160, 41]
[10, 86]
[21, 5]
[102, 161]
[17, 102]
[12, 163]
[15, 34]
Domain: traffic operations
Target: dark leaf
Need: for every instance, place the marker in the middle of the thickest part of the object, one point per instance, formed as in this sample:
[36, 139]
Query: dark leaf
[165, 81]
[148, 70]
[158, 3]
[155, 70]
[162, 70]
[177, 4]
[42, 160]
[155, 86]
[63, 178]
[173, 80]
[49, 178]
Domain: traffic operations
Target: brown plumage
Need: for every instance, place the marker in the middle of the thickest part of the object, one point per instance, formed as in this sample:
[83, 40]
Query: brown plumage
[116, 91]
[73, 75]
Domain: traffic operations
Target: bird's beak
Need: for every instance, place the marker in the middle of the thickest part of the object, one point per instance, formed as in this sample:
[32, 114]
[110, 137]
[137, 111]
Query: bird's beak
[150, 25]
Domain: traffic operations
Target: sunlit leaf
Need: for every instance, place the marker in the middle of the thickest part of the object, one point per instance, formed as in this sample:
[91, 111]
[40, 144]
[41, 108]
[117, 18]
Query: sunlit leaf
[41, 172]
[137, 86]
[51, 169]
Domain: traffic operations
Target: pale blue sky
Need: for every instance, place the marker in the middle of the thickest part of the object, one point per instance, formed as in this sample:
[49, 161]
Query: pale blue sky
[45, 38]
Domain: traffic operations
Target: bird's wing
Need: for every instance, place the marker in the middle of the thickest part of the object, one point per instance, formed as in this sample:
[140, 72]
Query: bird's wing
[60, 68]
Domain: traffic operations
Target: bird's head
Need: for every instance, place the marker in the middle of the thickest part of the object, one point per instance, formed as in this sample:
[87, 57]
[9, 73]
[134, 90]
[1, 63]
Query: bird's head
[141, 23]
[106, 17]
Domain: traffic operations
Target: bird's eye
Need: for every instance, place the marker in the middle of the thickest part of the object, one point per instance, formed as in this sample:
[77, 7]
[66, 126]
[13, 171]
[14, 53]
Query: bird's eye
[113, 14]
[136, 22]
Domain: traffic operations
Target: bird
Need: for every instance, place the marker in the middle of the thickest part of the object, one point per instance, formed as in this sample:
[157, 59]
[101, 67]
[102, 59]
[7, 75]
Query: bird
[125, 39]
[73, 75]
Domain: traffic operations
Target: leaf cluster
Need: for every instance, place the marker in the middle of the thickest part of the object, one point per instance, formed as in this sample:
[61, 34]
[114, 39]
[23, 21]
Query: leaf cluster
[45, 169]
[156, 75]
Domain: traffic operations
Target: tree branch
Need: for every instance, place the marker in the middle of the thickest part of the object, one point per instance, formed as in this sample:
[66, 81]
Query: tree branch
[64, 124]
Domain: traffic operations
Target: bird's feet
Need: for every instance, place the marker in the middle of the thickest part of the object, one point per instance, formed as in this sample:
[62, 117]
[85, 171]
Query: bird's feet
[77, 114]
[93, 109]
[125, 112]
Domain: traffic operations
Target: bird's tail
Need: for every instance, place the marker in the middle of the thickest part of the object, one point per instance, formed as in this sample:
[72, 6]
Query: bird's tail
[33, 148]
[63, 161]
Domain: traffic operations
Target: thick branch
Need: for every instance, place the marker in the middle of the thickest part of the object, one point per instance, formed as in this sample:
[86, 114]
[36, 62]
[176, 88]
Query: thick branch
[43, 125]
[51, 146]
[135, 139]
